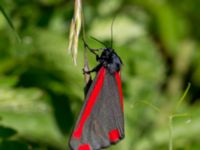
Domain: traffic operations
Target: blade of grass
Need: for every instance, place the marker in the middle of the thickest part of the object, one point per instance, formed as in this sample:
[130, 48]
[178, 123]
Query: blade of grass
[10, 23]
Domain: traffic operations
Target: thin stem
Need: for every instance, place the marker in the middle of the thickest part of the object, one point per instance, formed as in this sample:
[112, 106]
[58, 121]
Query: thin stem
[182, 98]
[175, 115]
[87, 76]
[170, 132]
[151, 105]
[180, 115]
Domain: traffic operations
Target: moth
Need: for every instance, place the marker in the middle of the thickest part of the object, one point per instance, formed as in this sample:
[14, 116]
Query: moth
[101, 119]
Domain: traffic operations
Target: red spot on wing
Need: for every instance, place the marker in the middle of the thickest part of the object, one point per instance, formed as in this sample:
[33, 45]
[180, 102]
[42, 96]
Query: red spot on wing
[117, 76]
[91, 101]
[84, 147]
[114, 135]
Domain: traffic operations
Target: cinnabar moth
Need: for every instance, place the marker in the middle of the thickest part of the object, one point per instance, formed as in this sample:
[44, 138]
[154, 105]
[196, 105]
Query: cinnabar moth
[101, 120]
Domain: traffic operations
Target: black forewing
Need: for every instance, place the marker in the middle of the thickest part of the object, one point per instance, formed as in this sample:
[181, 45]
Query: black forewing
[106, 116]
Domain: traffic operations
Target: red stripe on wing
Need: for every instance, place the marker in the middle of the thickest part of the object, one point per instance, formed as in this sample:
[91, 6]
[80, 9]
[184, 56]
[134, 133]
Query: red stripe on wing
[114, 135]
[91, 101]
[84, 147]
[117, 76]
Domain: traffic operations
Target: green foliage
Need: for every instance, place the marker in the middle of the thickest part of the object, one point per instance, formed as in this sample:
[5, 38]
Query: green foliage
[41, 91]
[6, 132]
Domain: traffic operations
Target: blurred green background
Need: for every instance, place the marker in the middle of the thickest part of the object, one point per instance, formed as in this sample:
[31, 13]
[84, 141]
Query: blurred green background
[41, 91]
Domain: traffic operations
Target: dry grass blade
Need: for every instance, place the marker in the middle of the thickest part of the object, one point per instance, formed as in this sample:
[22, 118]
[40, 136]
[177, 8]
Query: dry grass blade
[71, 35]
[75, 30]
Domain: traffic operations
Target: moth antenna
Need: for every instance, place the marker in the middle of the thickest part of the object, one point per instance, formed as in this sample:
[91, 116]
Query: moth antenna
[98, 41]
[111, 41]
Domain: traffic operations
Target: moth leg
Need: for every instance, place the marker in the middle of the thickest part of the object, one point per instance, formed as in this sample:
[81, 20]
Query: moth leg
[95, 69]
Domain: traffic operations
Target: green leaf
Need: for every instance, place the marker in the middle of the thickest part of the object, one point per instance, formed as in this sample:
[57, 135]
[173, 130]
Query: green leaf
[29, 113]
[6, 132]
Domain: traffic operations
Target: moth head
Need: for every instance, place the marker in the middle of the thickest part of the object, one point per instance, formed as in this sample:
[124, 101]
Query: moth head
[107, 52]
